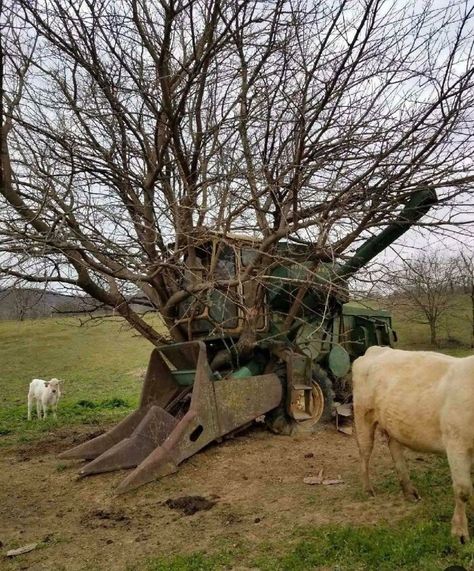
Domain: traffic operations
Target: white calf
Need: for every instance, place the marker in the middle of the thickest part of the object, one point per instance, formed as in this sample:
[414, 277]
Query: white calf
[46, 393]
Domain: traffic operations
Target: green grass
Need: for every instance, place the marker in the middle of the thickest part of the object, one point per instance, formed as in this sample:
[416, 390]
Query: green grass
[406, 547]
[417, 545]
[100, 364]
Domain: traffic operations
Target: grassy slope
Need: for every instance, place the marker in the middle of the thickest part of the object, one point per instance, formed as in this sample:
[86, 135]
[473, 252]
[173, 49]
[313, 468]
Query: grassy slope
[100, 363]
[454, 329]
[103, 364]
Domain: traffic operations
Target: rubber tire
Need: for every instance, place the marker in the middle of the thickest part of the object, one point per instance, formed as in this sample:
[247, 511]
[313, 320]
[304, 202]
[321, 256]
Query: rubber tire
[278, 421]
[321, 378]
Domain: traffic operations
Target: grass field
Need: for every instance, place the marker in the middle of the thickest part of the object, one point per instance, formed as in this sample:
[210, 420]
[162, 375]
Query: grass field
[454, 328]
[103, 366]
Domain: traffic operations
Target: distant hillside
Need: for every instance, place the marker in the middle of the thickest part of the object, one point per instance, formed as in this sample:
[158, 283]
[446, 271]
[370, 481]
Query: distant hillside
[31, 303]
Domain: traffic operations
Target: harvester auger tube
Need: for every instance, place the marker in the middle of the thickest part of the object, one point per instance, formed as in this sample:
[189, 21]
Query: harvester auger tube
[419, 204]
[180, 412]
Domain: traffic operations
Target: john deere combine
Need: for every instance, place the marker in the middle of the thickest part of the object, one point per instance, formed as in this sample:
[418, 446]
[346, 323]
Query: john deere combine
[303, 340]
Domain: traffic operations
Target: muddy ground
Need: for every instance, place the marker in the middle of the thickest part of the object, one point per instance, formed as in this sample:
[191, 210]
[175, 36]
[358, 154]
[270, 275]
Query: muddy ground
[252, 487]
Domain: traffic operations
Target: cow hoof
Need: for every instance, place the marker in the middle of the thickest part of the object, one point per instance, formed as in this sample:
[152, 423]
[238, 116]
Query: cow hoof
[411, 494]
[463, 538]
[461, 535]
[370, 491]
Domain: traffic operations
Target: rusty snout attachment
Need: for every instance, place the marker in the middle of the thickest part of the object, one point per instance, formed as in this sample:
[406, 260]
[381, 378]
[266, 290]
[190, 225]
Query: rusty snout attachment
[182, 409]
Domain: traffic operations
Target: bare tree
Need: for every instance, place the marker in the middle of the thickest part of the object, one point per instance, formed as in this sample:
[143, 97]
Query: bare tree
[423, 288]
[25, 302]
[132, 130]
[21, 303]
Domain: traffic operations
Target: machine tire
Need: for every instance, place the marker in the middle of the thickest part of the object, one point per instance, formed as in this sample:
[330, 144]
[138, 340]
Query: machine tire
[279, 422]
[321, 378]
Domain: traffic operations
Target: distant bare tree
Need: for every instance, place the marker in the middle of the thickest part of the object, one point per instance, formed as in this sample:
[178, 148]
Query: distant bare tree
[423, 288]
[22, 303]
[131, 128]
[25, 302]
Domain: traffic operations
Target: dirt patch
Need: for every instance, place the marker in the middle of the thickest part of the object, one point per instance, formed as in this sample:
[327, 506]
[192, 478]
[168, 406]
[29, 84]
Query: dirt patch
[52, 443]
[256, 478]
[189, 505]
[105, 519]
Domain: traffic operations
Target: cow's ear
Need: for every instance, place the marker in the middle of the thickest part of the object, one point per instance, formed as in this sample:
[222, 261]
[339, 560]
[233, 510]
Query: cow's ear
[46, 383]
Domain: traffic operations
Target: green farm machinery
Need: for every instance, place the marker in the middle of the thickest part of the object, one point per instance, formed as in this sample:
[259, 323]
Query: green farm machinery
[304, 336]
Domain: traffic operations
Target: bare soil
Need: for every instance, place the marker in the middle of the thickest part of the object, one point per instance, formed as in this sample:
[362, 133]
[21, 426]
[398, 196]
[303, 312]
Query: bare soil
[245, 491]
[189, 505]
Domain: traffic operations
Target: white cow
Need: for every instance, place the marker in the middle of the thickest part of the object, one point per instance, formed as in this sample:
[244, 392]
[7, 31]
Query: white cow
[46, 393]
[422, 400]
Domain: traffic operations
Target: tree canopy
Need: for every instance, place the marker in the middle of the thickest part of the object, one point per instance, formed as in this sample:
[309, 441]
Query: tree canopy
[133, 128]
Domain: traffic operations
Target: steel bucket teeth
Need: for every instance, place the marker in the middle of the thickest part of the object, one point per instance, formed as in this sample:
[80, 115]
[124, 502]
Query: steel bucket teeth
[128, 453]
[97, 446]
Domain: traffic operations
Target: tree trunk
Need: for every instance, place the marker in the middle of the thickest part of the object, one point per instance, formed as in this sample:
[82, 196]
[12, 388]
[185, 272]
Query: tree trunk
[433, 334]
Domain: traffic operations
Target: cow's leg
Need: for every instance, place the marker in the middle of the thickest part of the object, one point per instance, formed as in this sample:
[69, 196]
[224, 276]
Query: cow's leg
[30, 405]
[460, 461]
[38, 408]
[396, 450]
[365, 430]
[45, 410]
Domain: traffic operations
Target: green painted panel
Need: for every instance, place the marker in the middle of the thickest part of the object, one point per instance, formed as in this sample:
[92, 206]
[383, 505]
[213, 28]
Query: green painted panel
[339, 361]
[310, 339]
[254, 367]
[348, 309]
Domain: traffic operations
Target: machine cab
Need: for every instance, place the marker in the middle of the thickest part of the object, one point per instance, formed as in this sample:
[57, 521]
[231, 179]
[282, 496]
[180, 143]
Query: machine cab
[220, 309]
